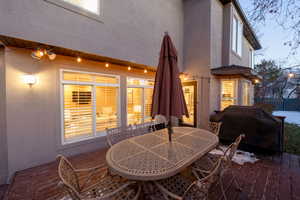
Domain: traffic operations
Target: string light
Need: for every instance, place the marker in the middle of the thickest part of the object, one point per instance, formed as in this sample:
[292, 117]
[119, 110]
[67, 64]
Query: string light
[79, 59]
[106, 65]
[40, 53]
[145, 71]
[129, 68]
[291, 75]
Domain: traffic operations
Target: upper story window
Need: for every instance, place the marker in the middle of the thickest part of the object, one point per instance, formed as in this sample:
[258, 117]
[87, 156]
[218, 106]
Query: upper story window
[89, 5]
[88, 8]
[237, 35]
[251, 58]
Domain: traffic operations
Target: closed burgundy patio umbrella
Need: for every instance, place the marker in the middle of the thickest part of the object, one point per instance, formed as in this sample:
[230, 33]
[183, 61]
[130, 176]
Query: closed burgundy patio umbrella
[168, 99]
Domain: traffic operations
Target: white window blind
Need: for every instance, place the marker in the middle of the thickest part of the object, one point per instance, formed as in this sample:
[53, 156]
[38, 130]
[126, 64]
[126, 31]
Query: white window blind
[139, 100]
[229, 93]
[90, 104]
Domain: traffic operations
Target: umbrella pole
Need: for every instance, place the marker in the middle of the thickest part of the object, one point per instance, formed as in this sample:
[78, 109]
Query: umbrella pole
[170, 130]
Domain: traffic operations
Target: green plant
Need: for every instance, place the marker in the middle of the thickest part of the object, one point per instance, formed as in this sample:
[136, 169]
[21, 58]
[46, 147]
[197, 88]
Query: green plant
[292, 138]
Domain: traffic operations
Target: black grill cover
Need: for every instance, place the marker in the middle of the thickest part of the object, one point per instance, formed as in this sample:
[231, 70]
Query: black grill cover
[262, 130]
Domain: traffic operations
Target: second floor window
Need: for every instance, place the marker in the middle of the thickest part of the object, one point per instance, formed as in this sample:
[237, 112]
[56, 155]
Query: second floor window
[88, 5]
[251, 58]
[237, 36]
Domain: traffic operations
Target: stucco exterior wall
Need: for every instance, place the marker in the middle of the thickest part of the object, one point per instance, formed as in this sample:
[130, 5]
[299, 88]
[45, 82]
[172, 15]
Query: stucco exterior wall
[131, 30]
[3, 141]
[33, 113]
[197, 52]
[243, 60]
[217, 42]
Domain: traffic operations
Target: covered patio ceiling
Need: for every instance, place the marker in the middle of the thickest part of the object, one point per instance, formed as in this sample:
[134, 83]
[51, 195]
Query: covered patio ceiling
[32, 45]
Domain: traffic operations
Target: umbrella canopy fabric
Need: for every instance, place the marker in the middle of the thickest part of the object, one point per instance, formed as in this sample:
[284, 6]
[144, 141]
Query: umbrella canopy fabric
[168, 99]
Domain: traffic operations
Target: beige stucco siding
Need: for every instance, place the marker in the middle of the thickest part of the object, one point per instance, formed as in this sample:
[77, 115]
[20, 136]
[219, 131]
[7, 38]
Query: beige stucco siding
[229, 57]
[217, 42]
[131, 30]
[217, 13]
[243, 60]
[197, 52]
[34, 115]
[3, 141]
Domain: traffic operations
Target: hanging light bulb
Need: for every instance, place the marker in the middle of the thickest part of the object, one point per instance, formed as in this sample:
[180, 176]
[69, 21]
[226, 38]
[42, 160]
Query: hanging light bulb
[106, 65]
[79, 59]
[145, 71]
[129, 68]
[40, 53]
[291, 75]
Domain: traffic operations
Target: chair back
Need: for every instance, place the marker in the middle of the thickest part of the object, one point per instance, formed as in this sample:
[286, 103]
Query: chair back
[203, 184]
[68, 177]
[215, 127]
[141, 129]
[231, 150]
[116, 135]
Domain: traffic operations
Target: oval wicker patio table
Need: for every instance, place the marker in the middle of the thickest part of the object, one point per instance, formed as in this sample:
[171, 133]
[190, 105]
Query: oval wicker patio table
[152, 157]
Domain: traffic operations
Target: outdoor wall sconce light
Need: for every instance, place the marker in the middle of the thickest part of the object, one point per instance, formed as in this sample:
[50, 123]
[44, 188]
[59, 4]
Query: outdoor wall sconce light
[29, 79]
[291, 75]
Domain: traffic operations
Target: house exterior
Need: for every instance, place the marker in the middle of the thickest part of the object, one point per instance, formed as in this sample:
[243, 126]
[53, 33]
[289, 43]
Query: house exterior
[103, 71]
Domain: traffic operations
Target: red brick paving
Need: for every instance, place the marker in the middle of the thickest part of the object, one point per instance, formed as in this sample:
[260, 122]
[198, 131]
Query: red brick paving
[272, 178]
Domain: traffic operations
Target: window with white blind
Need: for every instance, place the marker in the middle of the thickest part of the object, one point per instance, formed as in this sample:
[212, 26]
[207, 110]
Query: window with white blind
[246, 93]
[139, 100]
[228, 93]
[237, 36]
[90, 104]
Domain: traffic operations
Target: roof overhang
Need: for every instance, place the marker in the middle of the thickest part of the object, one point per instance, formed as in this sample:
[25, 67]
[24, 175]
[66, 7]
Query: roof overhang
[8, 41]
[248, 30]
[236, 71]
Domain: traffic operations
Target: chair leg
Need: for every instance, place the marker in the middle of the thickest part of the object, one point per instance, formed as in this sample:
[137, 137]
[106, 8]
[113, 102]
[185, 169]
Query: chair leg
[237, 185]
[222, 188]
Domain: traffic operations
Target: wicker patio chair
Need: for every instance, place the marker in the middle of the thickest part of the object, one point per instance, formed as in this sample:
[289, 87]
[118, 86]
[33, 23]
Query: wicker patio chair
[207, 161]
[104, 187]
[215, 127]
[141, 129]
[180, 187]
[116, 135]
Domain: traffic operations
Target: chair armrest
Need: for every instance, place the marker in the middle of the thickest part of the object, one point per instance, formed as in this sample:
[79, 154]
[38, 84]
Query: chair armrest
[91, 169]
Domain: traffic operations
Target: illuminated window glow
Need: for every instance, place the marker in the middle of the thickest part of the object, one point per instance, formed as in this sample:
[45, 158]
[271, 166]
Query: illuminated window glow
[246, 94]
[90, 105]
[189, 95]
[228, 93]
[139, 100]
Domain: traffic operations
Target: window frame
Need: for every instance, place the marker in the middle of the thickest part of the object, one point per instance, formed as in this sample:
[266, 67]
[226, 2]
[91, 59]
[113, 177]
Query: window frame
[249, 92]
[144, 97]
[236, 98]
[79, 10]
[237, 36]
[95, 134]
[251, 58]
